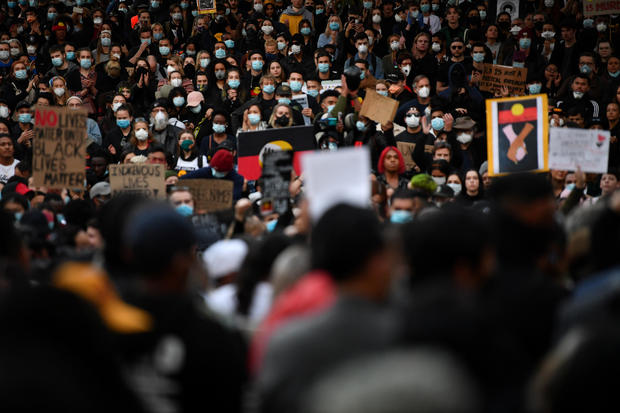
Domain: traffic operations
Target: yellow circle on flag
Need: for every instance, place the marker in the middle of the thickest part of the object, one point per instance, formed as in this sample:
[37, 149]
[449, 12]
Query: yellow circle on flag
[517, 109]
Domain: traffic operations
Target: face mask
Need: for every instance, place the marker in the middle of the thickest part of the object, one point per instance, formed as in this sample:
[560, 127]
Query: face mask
[155, 4]
[614, 74]
[267, 29]
[257, 65]
[220, 74]
[21, 74]
[397, 18]
[282, 120]
[525, 43]
[483, 14]
[376, 19]
[295, 85]
[269, 89]
[382, 92]
[190, 52]
[141, 134]
[204, 63]
[437, 124]
[177, 16]
[549, 3]
[436, 47]
[313, 92]
[253, 118]
[195, 13]
[534, 89]
[415, 14]
[161, 120]
[370, 40]
[518, 64]
[170, 69]
[362, 48]
[217, 174]
[368, 5]
[258, 7]
[548, 35]
[424, 92]
[412, 121]
[305, 31]
[24, 117]
[464, 137]
[56, 61]
[185, 6]
[585, 69]
[185, 210]
[164, 50]
[196, 109]
[478, 57]
[178, 101]
[234, 83]
[439, 180]
[123, 123]
[14, 51]
[18, 216]
[176, 82]
[158, 36]
[229, 43]
[601, 27]
[588, 23]
[395, 46]
[59, 91]
[187, 144]
[330, 108]
[361, 126]
[4, 112]
[295, 49]
[219, 128]
[515, 30]
[406, 70]
[220, 53]
[271, 225]
[334, 26]
[401, 217]
[456, 188]
[281, 45]
[578, 95]
[319, 11]
[11, 4]
[556, 123]
[323, 67]
[31, 50]
[85, 63]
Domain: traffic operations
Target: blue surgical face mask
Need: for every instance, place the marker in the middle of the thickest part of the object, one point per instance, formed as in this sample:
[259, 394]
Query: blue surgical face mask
[401, 217]
[178, 101]
[218, 174]
[271, 225]
[195, 13]
[254, 118]
[24, 117]
[164, 50]
[71, 55]
[123, 123]
[478, 57]
[330, 108]
[614, 74]
[196, 109]
[305, 31]
[323, 67]
[219, 128]
[234, 83]
[518, 64]
[86, 63]
[185, 210]
[334, 26]
[220, 53]
[332, 146]
[570, 187]
[361, 126]
[534, 89]
[284, 101]
[425, 8]
[313, 92]
[105, 41]
[18, 216]
[257, 65]
[229, 43]
[21, 74]
[158, 36]
[437, 124]
[269, 89]
[57, 61]
[362, 75]
[51, 16]
[585, 69]
[295, 85]
[382, 92]
[154, 4]
[281, 45]
[204, 62]
[525, 43]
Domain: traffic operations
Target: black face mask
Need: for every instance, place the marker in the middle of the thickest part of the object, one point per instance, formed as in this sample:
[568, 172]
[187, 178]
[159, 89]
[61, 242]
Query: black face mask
[538, 26]
[282, 120]
[190, 71]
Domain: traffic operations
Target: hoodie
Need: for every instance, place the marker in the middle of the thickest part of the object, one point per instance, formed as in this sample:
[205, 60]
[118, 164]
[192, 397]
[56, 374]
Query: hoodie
[291, 18]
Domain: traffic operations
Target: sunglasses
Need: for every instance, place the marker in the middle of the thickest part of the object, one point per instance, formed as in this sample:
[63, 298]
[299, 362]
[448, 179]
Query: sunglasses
[456, 47]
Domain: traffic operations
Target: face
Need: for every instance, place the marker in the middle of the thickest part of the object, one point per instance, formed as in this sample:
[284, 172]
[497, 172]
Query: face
[551, 72]
[157, 158]
[613, 64]
[587, 61]
[578, 119]
[391, 162]
[381, 87]
[472, 182]
[442, 153]
[6, 147]
[58, 83]
[613, 111]
[275, 69]
[604, 49]
[457, 49]
[281, 111]
[122, 114]
[454, 179]
[580, 85]
[609, 183]
[201, 81]
[403, 204]
[422, 43]
[568, 34]
[233, 75]
[424, 82]
[99, 166]
[219, 119]
[452, 16]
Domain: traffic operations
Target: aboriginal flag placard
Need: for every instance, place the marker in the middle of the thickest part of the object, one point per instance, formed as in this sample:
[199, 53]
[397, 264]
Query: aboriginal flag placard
[254, 145]
[517, 135]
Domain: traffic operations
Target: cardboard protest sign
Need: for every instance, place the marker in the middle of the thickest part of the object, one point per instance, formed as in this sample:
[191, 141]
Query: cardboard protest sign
[336, 177]
[407, 148]
[254, 145]
[598, 7]
[59, 147]
[143, 179]
[496, 76]
[206, 6]
[276, 180]
[517, 134]
[572, 147]
[379, 108]
[302, 100]
[210, 195]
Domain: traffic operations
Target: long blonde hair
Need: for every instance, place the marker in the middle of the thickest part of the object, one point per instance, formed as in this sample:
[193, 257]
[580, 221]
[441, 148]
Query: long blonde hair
[272, 119]
[329, 32]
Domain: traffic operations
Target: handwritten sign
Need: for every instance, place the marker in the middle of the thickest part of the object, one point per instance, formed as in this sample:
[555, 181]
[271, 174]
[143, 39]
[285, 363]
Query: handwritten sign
[59, 147]
[406, 148]
[143, 179]
[496, 76]
[210, 195]
[596, 7]
[302, 100]
[379, 108]
[206, 6]
[586, 148]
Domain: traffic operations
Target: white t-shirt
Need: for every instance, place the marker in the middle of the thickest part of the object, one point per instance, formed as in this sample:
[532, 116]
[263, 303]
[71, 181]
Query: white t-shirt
[7, 171]
[191, 165]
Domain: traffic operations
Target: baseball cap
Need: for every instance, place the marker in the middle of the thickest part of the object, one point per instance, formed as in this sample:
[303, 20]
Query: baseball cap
[194, 99]
[100, 189]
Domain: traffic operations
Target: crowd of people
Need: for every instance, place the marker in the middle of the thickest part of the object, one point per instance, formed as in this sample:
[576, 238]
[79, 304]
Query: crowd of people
[449, 290]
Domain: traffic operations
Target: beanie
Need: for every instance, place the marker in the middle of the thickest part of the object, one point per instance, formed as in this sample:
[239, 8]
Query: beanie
[222, 161]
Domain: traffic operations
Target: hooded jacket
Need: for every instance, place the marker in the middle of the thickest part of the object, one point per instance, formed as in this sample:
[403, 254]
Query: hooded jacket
[291, 18]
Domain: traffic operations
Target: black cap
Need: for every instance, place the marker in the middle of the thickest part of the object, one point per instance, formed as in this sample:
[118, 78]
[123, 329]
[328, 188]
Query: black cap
[160, 103]
[22, 104]
[395, 77]
[444, 191]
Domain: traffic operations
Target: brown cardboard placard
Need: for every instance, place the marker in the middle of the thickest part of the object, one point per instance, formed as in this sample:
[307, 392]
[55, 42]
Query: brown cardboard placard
[210, 195]
[379, 108]
[600, 7]
[142, 178]
[496, 76]
[406, 148]
[59, 147]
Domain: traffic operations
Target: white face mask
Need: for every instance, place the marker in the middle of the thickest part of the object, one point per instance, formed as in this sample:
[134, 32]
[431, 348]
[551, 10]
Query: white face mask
[439, 180]
[376, 19]
[456, 188]
[406, 70]
[267, 29]
[295, 49]
[161, 120]
[424, 92]
[578, 95]
[395, 46]
[4, 112]
[397, 18]
[31, 49]
[59, 91]
[170, 69]
[436, 47]
[176, 82]
[142, 134]
[116, 105]
[412, 121]
[362, 48]
[548, 35]
[464, 137]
